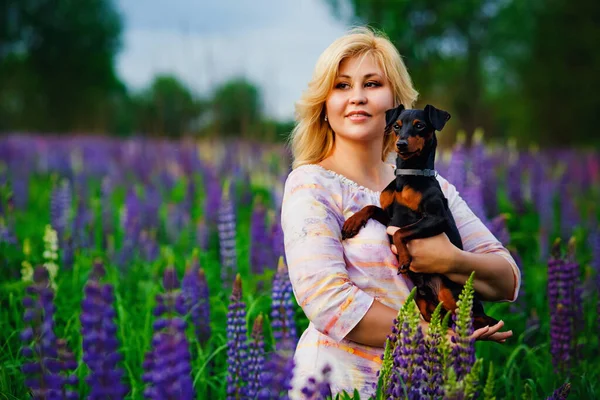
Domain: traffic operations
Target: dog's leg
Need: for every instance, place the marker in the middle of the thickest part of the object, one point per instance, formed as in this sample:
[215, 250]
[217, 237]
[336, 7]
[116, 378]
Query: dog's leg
[427, 226]
[353, 224]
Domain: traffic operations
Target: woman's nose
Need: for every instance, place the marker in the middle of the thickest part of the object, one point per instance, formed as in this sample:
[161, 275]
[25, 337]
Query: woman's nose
[358, 96]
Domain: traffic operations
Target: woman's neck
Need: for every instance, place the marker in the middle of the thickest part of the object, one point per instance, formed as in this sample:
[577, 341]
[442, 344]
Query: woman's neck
[359, 163]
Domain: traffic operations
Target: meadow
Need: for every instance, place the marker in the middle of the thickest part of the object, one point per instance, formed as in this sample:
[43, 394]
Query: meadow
[153, 269]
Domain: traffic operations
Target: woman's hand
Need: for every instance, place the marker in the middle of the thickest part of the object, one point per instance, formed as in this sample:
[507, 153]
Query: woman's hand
[435, 254]
[489, 333]
[492, 333]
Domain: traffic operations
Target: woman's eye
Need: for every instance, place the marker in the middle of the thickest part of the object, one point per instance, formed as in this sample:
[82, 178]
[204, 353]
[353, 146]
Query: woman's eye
[373, 84]
[341, 85]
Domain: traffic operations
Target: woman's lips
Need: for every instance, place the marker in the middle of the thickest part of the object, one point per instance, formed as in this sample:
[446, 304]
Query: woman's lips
[358, 117]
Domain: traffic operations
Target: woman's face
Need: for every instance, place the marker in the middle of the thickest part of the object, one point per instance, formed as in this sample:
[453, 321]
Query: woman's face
[360, 97]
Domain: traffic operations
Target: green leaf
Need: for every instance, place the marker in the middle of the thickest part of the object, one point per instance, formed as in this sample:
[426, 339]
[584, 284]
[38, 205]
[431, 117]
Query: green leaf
[488, 390]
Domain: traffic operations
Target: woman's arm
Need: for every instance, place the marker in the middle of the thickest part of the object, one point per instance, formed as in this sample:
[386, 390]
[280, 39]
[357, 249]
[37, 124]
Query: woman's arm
[494, 280]
[376, 325]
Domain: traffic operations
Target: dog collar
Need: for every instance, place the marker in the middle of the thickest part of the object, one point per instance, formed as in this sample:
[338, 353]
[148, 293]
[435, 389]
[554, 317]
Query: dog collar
[422, 172]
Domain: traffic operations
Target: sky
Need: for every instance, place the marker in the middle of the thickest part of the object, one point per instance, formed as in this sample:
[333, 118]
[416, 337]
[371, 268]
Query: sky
[273, 43]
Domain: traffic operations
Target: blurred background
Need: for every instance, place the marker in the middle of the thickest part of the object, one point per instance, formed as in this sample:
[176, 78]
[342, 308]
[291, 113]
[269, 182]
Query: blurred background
[518, 69]
[141, 142]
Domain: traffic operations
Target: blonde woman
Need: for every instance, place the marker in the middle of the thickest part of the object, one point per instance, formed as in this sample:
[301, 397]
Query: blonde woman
[350, 290]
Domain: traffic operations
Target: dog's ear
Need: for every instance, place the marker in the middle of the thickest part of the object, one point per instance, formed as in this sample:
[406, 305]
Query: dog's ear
[437, 118]
[392, 115]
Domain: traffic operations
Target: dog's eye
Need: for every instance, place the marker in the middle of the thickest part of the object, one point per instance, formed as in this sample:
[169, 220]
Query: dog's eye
[420, 126]
[396, 126]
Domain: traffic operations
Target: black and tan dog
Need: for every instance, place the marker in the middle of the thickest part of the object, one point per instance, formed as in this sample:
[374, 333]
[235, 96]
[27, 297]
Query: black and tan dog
[415, 203]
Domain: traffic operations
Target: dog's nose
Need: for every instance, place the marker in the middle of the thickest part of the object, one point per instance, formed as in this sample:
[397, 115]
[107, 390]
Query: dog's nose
[402, 144]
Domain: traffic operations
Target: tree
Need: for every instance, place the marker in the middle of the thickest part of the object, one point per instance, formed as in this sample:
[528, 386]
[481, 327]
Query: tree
[236, 108]
[167, 107]
[561, 79]
[449, 47]
[62, 52]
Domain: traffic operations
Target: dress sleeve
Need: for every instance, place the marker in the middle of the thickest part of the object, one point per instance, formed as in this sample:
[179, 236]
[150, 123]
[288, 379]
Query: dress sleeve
[476, 237]
[311, 222]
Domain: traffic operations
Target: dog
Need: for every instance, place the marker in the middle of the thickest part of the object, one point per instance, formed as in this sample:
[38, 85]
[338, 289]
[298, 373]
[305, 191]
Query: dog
[414, 201]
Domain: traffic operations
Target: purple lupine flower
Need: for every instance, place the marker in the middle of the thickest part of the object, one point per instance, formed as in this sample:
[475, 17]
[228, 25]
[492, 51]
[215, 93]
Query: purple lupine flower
[20, 188]
[537, 175]
[256, 357]
[194, 290]
[148, 246]
[569, 215]
[282, 308]
[227, 240]
[167, 368]
[482, 169]
[100, 343]
[457, 173]
[46, 356]
[277, 375]
[202, 234]
[474, 198]
[499, 229]
[433, 387]
[462, 355]
[236, 343]
[259, 239]
[60, 209]
[562, 280]
[561, 393]
[67, 252]
[132, 221]
[82, 225]
[514, 181]
[277, 236]
[594, 240]
[7, 233]
[214, 194]
[177, 220]
[106, 206]
[318, 389]
[151, 205]
[546, 213]
[575, 287]
[408, 362]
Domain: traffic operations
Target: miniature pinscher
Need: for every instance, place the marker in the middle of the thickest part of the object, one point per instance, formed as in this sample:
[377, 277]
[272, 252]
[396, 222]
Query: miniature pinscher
[415, 203]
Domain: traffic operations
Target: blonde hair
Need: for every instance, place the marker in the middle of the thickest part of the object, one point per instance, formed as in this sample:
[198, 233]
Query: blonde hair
[312, 138]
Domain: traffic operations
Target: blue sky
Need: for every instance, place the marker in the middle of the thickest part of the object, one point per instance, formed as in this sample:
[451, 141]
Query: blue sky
[273, 43]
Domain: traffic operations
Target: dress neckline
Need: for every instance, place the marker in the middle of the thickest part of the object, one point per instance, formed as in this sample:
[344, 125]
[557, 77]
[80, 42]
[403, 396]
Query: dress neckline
[347, 181]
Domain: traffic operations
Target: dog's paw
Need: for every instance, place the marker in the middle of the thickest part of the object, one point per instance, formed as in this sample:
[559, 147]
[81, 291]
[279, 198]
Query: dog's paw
[404, 265]
[351, 228]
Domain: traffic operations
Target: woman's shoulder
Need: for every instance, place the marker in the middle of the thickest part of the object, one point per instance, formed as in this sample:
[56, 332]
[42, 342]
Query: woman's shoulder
[312, 174]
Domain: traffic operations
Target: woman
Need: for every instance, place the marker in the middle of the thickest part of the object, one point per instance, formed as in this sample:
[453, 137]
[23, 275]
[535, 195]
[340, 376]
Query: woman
[350, 290]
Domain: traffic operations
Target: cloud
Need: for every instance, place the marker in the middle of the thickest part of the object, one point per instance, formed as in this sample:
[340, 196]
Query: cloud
[274, 46]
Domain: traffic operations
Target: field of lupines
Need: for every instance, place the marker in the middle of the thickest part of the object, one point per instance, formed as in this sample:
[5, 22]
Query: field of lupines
[152, 269]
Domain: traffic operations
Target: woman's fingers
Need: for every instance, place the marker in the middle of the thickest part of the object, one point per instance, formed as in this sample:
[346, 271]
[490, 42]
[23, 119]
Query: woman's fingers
[492, 333]
[394, 249]
[479, 332]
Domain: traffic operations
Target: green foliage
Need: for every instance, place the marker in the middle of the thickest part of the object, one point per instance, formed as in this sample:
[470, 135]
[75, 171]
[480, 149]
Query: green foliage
[67, 50]
[490, 61]
[471, 380]
[488, 390]
[168, 108]
[237, 108]
[464, 322]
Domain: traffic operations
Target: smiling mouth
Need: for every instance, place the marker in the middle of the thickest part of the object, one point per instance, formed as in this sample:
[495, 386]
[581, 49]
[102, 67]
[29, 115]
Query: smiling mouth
[358, 115]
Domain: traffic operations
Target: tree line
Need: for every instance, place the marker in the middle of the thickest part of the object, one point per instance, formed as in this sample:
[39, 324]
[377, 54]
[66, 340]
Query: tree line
[520, 69]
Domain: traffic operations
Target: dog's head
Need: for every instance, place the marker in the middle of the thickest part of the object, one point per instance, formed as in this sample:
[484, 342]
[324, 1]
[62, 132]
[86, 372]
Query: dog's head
[415, 129]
